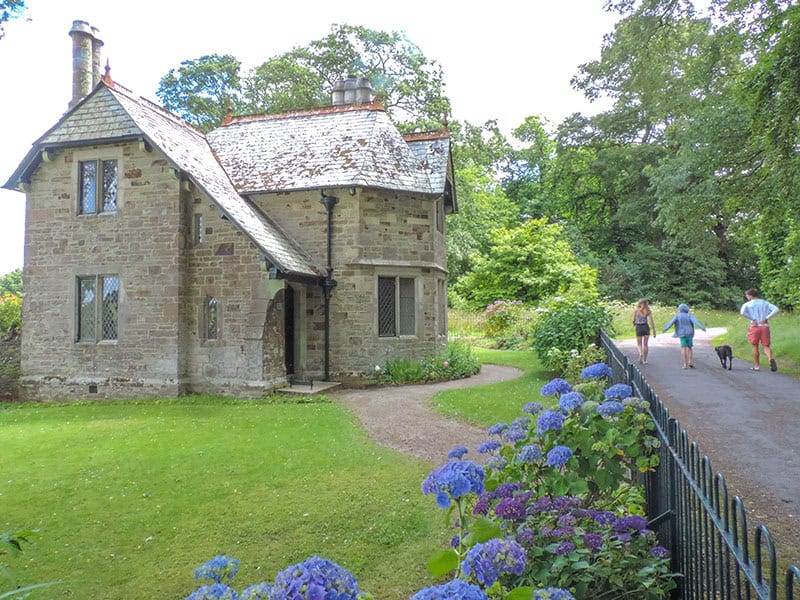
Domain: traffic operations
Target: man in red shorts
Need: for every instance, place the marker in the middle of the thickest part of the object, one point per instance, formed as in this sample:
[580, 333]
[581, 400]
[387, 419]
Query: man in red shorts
[759, 312]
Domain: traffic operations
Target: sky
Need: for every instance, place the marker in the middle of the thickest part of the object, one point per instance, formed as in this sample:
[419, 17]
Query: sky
[503, 60]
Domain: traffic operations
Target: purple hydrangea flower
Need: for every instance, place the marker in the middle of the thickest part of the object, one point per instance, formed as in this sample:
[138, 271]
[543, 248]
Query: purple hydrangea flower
[619, 391]
[458, 589]
[659, 552]
[610, 408]
[570, 401]
[457, 453]
[555, 387]
[455, 541]
[488, 561]
[481, 506]
[312, 579]
[542, 504]
[454, 480]
[624, 537]
[564, 503]
[552, 593]
[530, 454]
[550, 419]
[489, 446]
[515, 434]
[532, 408]
[596, 371]
[593, 541]
[497, 428]
[215, 591]
[625, 524]
[257, 591]
[605, 519]
[564, 532]
[564, 548]
[504, 490]
[526, 536]
[558, 456]
[566, 520]
[510, 509]
[218, 568]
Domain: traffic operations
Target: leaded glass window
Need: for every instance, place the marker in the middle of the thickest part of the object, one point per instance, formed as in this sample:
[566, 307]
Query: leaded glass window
[396, 306]
[98, 186]
[212, 319]
[98, 319]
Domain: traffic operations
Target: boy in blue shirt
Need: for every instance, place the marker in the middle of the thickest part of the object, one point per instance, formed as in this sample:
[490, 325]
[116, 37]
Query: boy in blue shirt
[684, 329]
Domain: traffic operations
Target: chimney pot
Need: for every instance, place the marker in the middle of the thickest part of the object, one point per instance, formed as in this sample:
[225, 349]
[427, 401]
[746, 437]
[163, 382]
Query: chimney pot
[353, 90]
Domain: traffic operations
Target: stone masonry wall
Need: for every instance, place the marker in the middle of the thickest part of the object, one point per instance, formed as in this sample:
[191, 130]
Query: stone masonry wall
[139, 243]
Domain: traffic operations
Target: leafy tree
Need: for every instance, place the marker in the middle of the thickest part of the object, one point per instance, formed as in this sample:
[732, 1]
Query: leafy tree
[11, 283]
[529, 262]
[10, 9]
[202, 90]
[410, 85]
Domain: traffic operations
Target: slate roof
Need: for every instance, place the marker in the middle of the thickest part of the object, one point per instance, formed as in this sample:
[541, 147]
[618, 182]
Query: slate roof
[112, 113]
[332, 147]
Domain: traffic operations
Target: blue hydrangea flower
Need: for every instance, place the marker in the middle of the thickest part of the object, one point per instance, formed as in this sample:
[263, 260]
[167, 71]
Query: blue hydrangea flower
[659, 552]
[454, 480]
[521, 422]
[530, 454]
[218, 568]
[555, 387]
[489, 446]
[570, 401]
[558, 456]
[313, 579]
[488, 561]
[553, 593]
[215, 591]
[609, 408]
[257, 591]
[510, 509]
[496, 463]
[497, 428]
[596, 371]
[458, 589]
[457, 453]
[532, 408]
[619, 391]
[515, 434]
[550, 419]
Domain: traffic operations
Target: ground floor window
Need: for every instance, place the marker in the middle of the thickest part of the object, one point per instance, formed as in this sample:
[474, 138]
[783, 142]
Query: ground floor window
[98, 308]
[396, 306]
[211, 319]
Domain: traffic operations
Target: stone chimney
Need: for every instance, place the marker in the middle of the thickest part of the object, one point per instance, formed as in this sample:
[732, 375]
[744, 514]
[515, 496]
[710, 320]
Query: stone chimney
[86, 48]
[353, 90]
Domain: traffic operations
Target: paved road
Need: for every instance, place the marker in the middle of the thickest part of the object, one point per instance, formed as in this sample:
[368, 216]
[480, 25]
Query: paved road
[747, 422]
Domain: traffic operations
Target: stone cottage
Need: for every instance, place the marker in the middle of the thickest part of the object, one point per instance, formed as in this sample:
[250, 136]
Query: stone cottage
[160, 261]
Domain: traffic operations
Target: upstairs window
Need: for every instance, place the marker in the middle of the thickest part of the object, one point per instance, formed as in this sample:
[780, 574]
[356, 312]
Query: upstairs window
[97, 181]
[98, 308]
[396, 306]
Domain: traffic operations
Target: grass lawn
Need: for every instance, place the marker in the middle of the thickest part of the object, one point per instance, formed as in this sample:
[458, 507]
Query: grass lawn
[131, 496]
[488, 404]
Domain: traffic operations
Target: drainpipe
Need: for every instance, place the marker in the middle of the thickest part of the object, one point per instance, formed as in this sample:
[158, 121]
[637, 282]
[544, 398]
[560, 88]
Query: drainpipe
[329, 283]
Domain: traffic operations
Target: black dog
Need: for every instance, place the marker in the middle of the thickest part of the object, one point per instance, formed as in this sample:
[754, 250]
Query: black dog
[725, 354]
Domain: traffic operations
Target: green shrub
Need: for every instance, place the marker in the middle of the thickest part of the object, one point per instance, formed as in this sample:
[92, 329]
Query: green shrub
[10, 312]
[564, 325]
[455, 362]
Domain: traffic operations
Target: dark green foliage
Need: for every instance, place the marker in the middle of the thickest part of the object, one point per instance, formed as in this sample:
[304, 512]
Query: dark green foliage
[566, 325]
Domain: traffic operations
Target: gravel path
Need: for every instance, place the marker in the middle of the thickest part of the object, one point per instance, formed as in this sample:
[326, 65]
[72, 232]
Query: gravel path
[402, 418]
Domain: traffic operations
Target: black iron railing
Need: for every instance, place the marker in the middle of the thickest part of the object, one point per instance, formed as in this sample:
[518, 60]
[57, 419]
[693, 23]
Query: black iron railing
[693, 514]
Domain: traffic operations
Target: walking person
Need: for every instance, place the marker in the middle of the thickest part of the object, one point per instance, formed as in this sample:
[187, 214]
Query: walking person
[759, 312]
[644, 324]
[684, 330]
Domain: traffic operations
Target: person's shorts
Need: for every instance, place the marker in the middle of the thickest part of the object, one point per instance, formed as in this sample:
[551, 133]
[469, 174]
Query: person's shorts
[686, 342]
[758, 334]
[642, 330]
